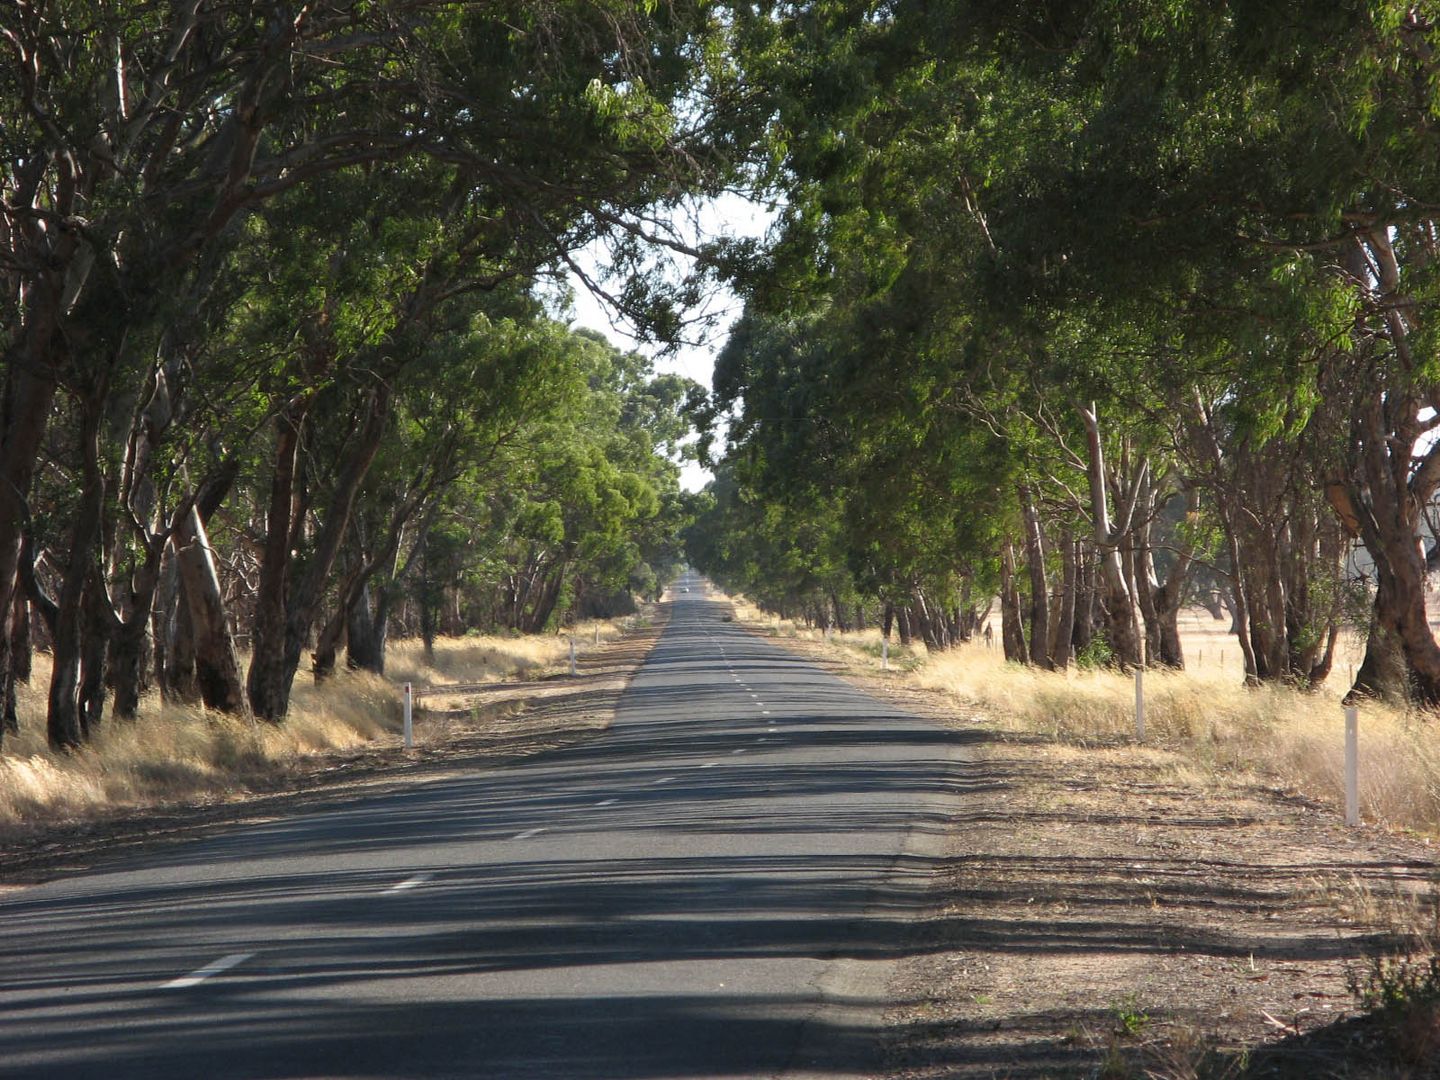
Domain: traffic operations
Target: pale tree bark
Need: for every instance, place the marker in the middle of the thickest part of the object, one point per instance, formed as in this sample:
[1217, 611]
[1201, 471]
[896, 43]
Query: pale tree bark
[1122, 623]
[212, 649]
[1395, 471]
[1012, 631]
[1039, 646]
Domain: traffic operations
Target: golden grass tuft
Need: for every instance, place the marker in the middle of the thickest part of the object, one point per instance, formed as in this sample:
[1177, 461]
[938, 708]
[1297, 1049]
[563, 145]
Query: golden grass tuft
[490, 658]
[1294, 739]
[177, 753]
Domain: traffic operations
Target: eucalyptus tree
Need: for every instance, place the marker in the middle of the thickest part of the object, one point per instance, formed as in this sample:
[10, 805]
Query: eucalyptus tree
[141, 139]
[1218, 213]
[455, 419]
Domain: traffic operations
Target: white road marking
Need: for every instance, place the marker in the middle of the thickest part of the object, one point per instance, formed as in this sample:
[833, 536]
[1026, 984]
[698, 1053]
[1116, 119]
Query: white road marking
[709, 764]
[528, 833]
[740, 751]
[766, 712]
[606, 802]
[410, 883]
[215, 967]
[664, 780]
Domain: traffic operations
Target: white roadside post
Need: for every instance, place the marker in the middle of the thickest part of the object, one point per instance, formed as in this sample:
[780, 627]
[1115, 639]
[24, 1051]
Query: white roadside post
[572, 656]
[885, 653]
[409, 718]
[1352, 765]
[1140, 704]
[597, 633]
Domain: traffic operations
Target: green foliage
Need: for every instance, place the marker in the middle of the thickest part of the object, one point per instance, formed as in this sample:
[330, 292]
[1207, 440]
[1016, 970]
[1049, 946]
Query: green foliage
[1130, 1018]
[1404, 993]
[1398, 984]
[1097, 653]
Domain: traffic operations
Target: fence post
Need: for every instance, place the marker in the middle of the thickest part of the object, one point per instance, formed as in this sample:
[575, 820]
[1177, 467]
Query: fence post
[572, 656]
[885, 653]
[1140, 704]
[597, 633]
[1352, 765]
[409, 718]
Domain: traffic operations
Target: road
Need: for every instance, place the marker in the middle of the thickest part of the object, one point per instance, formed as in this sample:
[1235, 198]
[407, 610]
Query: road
[716, 887]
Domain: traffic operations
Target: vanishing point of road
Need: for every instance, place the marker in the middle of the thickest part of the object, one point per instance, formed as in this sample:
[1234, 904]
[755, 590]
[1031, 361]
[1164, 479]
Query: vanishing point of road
[718, 886]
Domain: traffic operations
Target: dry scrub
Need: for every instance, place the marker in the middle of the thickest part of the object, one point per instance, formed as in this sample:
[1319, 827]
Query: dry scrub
[478, 659]
[175, 753]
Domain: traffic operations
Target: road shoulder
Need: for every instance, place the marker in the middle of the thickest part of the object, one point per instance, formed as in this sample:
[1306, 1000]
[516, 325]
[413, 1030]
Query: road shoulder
[1102, 905]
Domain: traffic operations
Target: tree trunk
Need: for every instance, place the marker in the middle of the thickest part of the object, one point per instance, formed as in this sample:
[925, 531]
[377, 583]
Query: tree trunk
[1012, 633]
[1203, 432]
[99, 635]
[1039, 646]
[128, 667]
[65, 723]
[286, 609]
[266, 686]
[1062, 634]
[15, 663]
[365, 637]
[25, 405]
[1122, 624]
[1391, 494]
[180, 680]
[1167, 597]
[1084, 598]
[203, 631]
[1383, 672]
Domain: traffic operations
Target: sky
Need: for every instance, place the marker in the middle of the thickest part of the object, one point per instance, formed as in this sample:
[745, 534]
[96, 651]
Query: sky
[729, 215]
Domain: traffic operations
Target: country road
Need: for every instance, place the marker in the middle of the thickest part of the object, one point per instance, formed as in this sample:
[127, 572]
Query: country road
[716, 887]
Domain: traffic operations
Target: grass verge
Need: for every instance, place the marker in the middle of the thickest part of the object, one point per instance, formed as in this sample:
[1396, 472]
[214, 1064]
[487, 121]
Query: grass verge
[1213, 723]
[179, 753]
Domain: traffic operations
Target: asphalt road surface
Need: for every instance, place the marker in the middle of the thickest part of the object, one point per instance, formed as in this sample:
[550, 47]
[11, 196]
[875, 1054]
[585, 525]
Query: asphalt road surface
[717, 887]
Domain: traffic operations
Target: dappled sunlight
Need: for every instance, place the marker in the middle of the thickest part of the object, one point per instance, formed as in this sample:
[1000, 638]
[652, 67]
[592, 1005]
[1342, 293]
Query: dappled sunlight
[1293, 738]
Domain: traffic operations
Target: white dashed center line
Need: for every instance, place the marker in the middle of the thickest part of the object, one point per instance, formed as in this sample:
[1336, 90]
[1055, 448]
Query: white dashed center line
[606, 802]
[195, 978]
[409, 883]
[664, 780]
[528, 833]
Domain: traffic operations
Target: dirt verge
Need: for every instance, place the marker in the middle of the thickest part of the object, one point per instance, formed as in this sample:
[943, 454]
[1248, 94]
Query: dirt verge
[1105, 911]
[457, 728]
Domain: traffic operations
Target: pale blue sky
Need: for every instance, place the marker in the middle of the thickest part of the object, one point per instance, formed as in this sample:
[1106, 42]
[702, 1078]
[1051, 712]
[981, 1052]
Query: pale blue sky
[729, 215]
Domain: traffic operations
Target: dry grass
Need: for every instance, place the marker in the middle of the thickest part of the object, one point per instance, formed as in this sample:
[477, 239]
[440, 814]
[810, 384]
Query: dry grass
[1295, 739]
[1205, 714]
[479, 659]
[174, 753]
